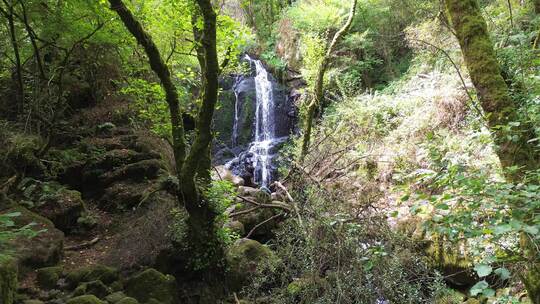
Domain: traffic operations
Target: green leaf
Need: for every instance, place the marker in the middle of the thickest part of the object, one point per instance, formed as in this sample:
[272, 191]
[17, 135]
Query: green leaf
[503, 273]
[502, 229]
[442, 206]
[531, 229]
[478, 288]
[483, 270]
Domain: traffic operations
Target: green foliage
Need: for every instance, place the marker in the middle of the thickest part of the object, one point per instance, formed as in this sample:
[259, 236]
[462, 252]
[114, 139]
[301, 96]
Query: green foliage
[9, 232]
[221, 195]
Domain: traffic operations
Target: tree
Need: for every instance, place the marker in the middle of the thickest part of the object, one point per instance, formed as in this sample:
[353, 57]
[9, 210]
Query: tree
[201, 214]
[511, 135]
[319, 82]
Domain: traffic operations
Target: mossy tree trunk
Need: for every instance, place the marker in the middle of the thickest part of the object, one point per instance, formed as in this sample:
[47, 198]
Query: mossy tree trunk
[8, 280]
[318, 91]
[201, 215]
[509, 133]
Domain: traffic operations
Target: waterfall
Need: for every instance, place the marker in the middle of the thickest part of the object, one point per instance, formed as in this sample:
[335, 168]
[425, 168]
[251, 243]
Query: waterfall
[260, 149]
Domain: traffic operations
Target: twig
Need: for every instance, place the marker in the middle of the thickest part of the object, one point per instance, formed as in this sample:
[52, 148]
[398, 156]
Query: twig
[262, 223]
[83, 245]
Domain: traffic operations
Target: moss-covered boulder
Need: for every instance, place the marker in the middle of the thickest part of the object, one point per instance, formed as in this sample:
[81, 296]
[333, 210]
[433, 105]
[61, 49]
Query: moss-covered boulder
[456, 267]
[152, 284]
[48, 277]
[86, 299]
[243, 258]
[115, 297]
[44, 249]
[8, 279]
[128, 300]
[63, 208]
[96, 288]
[33, 302]
[235, 227]
[106, 275]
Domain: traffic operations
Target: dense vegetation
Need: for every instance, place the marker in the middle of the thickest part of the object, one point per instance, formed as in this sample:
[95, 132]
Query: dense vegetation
[413, 175]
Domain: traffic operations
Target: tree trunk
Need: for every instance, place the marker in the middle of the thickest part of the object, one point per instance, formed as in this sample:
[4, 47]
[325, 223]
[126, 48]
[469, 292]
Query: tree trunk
[9, 14]
[493, 93]
[537, 6]
[162, 71]
[319, 83]
[510, 135]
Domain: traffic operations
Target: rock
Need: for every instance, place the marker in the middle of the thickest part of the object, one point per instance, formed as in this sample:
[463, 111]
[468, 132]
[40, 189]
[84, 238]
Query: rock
[139, 171]
[235, 227]
[86, 299]
[254, 218]
[44, 249]
[243, 258]
[248, 191]
[102, 273]
[117, 286]
[63, 208]
[96, 288]
[129, 300]
[115, 297]
[122, 196]
[152, 284]
[48, 277]
[8, 280]
[222, 173]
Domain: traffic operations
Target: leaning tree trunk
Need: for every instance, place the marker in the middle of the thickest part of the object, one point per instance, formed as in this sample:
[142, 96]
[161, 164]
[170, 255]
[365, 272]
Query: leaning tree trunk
[513, 145]
[493, 93]
[319, 82]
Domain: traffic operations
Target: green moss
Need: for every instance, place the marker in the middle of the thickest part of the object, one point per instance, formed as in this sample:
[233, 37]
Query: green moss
[96, 288]
[87, 299]
[101, 273]
[129, 300]
[49, 276]
[531, 279]
[115, 297]
[301, 285]
[152, 284]
[457, 267]
[8, 280]
[243, 257]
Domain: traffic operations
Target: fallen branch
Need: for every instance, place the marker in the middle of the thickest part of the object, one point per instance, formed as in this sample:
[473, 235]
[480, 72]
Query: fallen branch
[83, 245]
[262, 223]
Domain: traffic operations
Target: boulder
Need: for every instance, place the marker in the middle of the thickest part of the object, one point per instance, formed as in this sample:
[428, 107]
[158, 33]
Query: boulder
[254, 218]
[96, 288]
[128, 300]
[86, 299]
[63, 208]
[235, 227]
[102, 273]
[122, 196]
[243, 258]
[48, 277]
[43, 249]
[33, 302]
[305, 284]
[152, 284]
[115, 297]
[222, 173]
[139, 171]
[8, 279]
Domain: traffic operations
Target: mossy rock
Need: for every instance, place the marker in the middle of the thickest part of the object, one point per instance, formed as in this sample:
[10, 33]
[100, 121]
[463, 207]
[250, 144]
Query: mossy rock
[115, 297]
[450, 296]
[243, 258]
[63, 208]
[48, 277]
[44, 249]
[8, 279]
[117, 286]
[235, 227]
[152, 284]
[96, 288]
[456, 267]
[33, 302]
[102, 273]
[86, 299]
[128, 300]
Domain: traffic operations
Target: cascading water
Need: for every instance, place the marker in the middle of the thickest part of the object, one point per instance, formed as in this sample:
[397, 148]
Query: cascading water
[265, 140]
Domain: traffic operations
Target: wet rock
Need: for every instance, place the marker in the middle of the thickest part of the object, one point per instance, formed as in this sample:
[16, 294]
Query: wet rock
[44, 249]
[102, 273]
[152, 284]
[243, 258]
[48, 277]
[86, 299]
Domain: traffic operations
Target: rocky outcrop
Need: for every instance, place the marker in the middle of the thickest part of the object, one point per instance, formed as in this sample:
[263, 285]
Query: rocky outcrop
[152, 284]
[44, 248]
